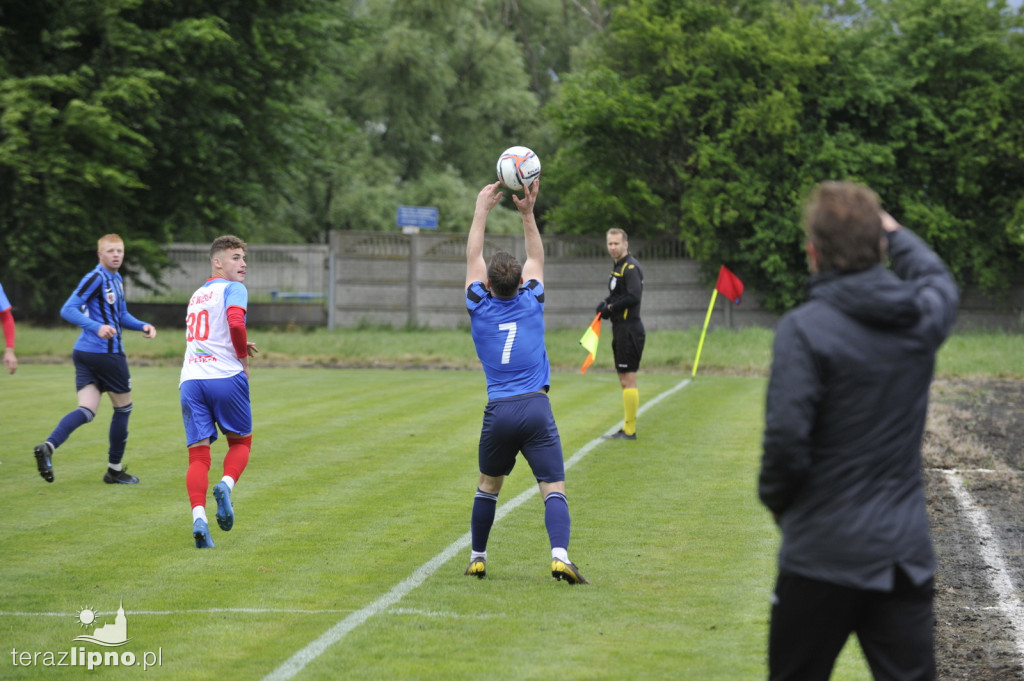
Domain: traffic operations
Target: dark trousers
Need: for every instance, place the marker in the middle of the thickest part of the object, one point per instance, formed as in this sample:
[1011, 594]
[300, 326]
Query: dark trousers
[812, 620]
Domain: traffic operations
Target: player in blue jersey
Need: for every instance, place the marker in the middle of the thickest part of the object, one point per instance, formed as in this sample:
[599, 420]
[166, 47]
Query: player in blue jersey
[7, 321]
[98, 306]
[506, 310]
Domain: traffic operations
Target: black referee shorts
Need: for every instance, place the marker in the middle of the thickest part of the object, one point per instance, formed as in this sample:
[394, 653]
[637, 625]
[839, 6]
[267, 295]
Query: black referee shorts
[628, 346]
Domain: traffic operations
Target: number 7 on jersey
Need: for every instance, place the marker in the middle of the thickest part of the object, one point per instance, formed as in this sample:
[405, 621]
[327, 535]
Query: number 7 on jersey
[506, 353]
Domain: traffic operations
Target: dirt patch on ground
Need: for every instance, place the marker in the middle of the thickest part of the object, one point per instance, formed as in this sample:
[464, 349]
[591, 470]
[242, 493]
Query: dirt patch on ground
[974, 444]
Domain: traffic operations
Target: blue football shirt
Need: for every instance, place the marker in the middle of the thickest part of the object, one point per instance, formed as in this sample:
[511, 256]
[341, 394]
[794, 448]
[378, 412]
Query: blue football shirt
[99, 300]
[509, 339]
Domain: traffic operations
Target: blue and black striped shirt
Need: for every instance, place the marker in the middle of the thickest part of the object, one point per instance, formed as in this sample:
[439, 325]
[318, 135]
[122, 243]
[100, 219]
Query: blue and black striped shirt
[99, 300]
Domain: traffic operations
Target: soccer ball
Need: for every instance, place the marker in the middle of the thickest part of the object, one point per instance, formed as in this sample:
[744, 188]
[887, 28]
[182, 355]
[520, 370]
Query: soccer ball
[518, 167]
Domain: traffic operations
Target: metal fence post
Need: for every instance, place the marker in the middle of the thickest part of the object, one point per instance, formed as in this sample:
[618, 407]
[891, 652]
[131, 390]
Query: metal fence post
[414, 272]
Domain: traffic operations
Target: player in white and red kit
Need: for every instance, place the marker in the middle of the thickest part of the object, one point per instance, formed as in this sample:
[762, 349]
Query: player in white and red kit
[7, 322]
[214, 384]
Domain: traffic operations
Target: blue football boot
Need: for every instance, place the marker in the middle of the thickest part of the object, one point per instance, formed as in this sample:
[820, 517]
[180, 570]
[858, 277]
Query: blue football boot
[225, 514]
[201, 533]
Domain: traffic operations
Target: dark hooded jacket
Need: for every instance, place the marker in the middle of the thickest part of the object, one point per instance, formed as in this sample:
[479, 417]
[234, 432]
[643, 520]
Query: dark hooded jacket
[845, 413]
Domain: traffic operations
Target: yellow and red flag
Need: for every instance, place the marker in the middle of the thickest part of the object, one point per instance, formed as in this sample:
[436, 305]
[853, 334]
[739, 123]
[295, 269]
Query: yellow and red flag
[589, 342]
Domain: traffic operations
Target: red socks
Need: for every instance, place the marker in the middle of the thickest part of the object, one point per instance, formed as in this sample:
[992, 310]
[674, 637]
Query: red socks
[237, 457]
[197, 479]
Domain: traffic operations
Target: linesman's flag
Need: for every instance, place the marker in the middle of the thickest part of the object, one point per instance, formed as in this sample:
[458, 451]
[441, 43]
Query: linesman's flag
[589, 342]
[730, 286]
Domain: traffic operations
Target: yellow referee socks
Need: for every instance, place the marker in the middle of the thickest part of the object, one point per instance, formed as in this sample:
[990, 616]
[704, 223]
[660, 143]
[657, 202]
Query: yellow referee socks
[630, 404]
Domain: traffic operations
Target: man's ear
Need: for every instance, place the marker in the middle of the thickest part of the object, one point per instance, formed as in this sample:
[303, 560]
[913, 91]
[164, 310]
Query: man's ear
[812, 257]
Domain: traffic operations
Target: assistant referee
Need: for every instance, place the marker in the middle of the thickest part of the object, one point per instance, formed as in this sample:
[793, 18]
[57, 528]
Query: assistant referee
[622, 307]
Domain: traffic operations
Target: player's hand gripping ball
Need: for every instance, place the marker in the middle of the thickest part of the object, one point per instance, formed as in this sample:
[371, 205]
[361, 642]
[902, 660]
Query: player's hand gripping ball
[518, 167]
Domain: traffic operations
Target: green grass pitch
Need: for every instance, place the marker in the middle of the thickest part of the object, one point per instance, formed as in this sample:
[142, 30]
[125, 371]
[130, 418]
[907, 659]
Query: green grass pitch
[358, 480]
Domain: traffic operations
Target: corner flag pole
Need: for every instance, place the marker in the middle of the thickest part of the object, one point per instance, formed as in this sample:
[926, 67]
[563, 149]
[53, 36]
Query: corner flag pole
[707, 320]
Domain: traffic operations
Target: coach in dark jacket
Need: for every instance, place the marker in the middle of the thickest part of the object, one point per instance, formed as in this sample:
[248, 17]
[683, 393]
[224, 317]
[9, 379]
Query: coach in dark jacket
[841, 466]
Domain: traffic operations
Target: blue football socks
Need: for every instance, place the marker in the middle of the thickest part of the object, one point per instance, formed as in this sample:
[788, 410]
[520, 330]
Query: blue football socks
[119, 433]
[556, 519]
[480, 524]
[68, 424]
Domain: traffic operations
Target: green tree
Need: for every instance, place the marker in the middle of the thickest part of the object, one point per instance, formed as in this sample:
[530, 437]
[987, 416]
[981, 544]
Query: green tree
[547, 32]
[709, 121]
[427, 99]
[419, 106]
[154, 120]
[684, 119]
[920, 100]
[955, 129]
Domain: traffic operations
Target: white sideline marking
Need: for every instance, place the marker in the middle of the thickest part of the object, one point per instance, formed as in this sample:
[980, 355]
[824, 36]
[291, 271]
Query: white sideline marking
[1001, 471]
[201, 611]
[297, 662]
[441, 613]
[254, 611]
[992, 553]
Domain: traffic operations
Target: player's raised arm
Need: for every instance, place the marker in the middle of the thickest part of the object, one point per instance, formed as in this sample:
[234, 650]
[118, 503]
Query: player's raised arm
[533, 268]
[476, 268]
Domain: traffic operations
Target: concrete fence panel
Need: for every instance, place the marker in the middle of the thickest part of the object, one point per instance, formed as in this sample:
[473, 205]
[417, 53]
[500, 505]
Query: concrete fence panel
[397, 279]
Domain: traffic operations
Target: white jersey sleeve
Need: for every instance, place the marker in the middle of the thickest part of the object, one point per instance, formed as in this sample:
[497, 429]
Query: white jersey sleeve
[208, 351]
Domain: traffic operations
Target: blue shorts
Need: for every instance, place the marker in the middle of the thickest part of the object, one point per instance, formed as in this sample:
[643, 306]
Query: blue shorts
[523, 423]
[208, 403]
[107, 370]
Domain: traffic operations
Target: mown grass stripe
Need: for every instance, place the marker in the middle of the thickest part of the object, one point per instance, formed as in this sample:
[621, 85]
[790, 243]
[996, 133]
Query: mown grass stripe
[297, 662]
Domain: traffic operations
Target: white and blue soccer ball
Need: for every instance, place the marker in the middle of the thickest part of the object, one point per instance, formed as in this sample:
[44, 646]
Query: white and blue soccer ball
[518, 167]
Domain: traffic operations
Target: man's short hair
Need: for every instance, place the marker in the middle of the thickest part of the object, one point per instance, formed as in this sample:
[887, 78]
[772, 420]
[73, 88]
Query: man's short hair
[112, 238]
[226, 243]
[505, 274]
[843, 220]
[618, 230]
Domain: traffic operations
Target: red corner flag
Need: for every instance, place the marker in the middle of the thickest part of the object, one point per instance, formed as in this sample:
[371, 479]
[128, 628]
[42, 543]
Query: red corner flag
[589, 342]
[729, 285]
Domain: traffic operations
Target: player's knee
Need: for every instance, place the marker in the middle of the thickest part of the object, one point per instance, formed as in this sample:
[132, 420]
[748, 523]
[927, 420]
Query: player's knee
[199, 455]
[556, 496]
[490, 484]
[126, 409]
[89, 414]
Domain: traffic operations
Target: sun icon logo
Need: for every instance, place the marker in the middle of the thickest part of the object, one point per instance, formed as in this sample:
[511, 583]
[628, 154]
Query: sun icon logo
[86, 617]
